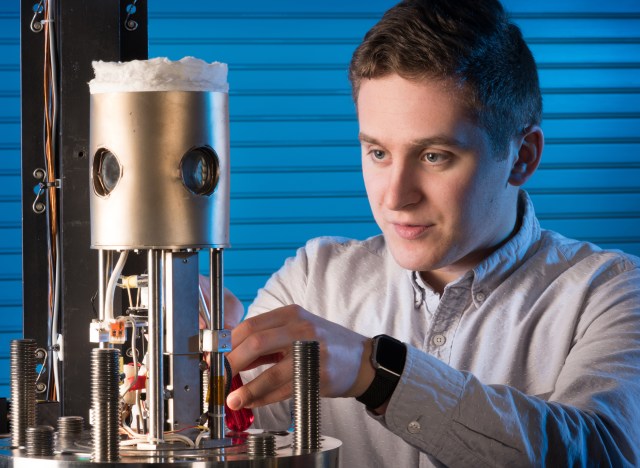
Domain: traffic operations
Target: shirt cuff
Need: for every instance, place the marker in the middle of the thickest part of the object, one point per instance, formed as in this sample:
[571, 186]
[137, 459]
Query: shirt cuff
[423, 404]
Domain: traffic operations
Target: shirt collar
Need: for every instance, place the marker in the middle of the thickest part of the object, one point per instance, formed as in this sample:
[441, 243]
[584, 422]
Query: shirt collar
[492, 271]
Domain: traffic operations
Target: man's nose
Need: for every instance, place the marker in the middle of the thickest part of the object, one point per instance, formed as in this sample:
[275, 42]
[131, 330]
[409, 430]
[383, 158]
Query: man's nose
[402, 188]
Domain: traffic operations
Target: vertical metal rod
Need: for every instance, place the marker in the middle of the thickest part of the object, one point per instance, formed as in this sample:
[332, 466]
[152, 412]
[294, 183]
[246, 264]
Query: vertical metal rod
[102, 275]
[216, 385]
[155, 390]
[217, 289]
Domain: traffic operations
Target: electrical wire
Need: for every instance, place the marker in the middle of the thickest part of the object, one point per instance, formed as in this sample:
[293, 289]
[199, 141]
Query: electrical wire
[111, 285]
[51, 99]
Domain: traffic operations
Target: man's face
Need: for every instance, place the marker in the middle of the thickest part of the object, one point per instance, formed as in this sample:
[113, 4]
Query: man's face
[439, 194]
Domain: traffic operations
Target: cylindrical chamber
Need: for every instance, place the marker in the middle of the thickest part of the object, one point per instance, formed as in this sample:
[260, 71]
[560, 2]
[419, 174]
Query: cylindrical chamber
[306, 395]
[160, 166]
[105, 380]
[23, 389]
[39, 441]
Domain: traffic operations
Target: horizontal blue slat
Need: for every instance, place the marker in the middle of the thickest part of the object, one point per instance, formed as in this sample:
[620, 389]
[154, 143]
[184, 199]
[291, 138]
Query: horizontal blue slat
[9, 161]
[579, 27]
[11, 291]
[319, 127]
[10, 264]
[378, 6]
[11, 317]
[241, 27]
[9, 53]
[9, 105]
[11, 238]
[10, 212]
[308, 53]
[339, 102]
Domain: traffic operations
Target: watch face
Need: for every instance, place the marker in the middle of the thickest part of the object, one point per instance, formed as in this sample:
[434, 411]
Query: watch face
[390, 354]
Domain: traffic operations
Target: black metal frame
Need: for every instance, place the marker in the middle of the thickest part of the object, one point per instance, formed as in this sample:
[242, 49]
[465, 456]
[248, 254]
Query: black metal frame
[86, 31]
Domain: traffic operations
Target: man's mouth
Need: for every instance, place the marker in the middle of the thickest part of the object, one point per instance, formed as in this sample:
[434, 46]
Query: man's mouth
[410, 231]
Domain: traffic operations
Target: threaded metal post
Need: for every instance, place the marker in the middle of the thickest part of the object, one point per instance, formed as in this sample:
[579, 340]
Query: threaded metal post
[69, 430]
[39, 441]
[23, 389]
[105, 379]
[306, 395]
[261, 445]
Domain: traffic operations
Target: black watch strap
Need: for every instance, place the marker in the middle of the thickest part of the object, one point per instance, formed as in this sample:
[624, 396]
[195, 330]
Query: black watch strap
[388, 357]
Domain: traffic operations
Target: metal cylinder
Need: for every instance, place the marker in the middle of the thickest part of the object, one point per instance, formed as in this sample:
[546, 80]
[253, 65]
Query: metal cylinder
[23, 389]
[69, 431]
[306, 396]
[160, 166]
[155, 390]
[261, 445]
[216, 379]
[105, 398]
[39, 441]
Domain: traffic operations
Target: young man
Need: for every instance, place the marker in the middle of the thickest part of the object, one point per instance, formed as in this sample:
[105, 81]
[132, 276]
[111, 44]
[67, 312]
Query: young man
[516, 346]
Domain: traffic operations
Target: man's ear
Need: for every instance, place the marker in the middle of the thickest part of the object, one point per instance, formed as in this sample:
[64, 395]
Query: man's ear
[529, 155]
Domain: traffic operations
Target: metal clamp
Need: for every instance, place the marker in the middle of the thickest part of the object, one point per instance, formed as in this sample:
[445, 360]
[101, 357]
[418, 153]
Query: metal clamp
[218, 341]
[98, 332]
[39, 206]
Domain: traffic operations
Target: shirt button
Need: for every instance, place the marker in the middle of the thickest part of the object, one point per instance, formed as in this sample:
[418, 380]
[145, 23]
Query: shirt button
[439, 340]
[480, 297]
[414, 427]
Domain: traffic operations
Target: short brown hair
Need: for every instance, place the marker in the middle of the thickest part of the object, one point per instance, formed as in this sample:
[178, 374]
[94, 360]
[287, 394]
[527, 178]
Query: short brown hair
[470, 42]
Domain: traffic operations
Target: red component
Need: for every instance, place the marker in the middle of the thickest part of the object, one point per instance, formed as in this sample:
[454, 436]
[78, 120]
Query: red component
[139, 384]
[238, 420]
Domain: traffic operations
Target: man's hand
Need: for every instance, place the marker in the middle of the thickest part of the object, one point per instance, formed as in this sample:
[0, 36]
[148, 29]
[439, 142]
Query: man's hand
[345, 368]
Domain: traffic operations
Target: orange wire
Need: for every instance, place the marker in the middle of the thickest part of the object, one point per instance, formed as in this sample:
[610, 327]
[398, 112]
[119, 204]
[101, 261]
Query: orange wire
[49, 105]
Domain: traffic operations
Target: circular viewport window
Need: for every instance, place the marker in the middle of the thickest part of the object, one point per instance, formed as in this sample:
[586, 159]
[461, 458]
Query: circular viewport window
[200, 170]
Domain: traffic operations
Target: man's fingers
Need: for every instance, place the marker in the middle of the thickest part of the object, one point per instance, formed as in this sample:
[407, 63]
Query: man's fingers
[272, 358]
[272, 342]
[273, 385]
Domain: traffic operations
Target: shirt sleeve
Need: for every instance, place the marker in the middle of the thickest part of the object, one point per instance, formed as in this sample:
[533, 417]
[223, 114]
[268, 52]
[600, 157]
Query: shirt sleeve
[590, 419]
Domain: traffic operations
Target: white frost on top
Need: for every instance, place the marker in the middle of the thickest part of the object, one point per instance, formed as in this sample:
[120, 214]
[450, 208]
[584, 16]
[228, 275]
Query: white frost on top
[159, 74]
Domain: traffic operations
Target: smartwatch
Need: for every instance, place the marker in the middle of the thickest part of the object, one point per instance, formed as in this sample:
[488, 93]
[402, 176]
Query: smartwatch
[388, 357]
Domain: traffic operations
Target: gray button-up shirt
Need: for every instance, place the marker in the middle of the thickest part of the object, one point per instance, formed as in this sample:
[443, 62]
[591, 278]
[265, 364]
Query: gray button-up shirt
[530, 359]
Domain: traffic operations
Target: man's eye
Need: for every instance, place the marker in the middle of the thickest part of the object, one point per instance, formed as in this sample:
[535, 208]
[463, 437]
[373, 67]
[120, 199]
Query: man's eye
[377, 154]
[434, 158]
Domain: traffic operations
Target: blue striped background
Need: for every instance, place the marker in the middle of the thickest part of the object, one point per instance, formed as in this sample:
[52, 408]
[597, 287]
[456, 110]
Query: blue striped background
[295, 157]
